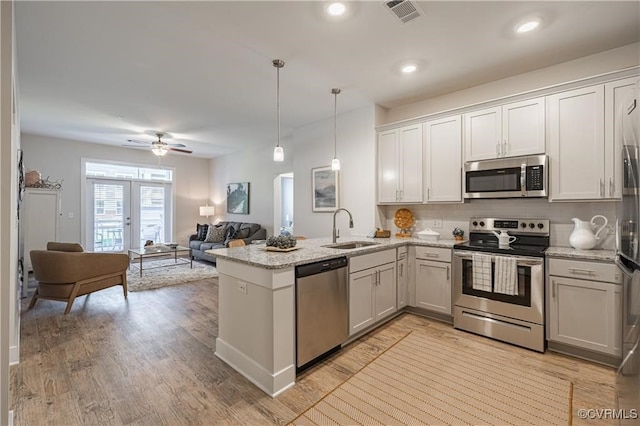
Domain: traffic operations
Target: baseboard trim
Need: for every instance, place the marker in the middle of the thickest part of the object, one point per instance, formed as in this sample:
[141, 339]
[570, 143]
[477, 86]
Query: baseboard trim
[273, 384]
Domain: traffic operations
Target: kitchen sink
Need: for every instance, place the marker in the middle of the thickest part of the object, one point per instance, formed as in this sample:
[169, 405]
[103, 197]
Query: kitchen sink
[348, 245]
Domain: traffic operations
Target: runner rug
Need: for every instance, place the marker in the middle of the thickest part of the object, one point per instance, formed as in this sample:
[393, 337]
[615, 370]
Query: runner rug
[423, 380]
[162, 273]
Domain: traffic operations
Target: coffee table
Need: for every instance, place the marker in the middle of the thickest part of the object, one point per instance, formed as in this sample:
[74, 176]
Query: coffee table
[161, 251]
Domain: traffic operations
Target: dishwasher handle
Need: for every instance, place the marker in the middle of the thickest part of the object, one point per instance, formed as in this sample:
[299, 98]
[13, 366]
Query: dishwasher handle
[320, 267]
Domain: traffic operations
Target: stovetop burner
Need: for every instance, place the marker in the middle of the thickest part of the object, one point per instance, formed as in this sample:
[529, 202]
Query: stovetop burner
[532, 236]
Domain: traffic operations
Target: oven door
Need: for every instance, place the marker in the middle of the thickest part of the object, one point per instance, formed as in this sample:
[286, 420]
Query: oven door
[526, 305]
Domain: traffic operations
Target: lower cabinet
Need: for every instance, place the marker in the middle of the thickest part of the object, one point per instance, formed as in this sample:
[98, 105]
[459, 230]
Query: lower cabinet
[585, 313]
[433, 279]
[372, 290]
[403, 277]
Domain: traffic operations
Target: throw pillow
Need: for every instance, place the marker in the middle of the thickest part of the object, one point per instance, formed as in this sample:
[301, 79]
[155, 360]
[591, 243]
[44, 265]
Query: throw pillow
[201, 230]
[215, 235]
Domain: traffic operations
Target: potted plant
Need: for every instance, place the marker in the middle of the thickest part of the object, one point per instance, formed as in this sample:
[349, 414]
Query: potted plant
[458, 234]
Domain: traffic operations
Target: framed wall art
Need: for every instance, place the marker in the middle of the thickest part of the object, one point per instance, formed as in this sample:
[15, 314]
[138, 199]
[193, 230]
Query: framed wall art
[238, 198]
[325, 189]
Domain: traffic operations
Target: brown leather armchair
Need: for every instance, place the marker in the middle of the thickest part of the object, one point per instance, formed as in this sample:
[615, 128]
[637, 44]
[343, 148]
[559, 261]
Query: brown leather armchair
[65, 271]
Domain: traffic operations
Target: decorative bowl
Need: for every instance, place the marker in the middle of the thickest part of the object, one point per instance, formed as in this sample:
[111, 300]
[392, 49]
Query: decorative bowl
[428, 235]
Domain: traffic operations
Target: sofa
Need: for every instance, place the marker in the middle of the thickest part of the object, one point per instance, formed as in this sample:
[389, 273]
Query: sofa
[230, 231]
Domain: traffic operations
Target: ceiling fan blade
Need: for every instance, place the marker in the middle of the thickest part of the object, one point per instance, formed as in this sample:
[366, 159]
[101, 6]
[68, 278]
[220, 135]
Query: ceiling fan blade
[186, 151]
[140, 142]
[177, 145]
[135, 146]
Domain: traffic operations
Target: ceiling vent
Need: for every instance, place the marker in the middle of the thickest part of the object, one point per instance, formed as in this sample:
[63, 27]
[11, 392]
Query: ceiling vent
[404, 10]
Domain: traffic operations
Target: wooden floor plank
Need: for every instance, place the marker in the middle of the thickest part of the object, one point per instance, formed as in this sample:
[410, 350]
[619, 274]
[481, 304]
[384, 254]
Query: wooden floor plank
[149, 360]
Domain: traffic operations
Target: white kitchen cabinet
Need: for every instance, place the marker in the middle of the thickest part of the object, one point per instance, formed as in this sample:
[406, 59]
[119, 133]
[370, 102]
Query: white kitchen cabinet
[403, 277]
[372, 291]
[617, 98]
[400, 165]
[576, 144]
[584, 312]
[433, 279]
[509, 130]
[443, 160]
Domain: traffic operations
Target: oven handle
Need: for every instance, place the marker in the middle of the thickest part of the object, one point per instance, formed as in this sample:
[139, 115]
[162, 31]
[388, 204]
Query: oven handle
[520, 260]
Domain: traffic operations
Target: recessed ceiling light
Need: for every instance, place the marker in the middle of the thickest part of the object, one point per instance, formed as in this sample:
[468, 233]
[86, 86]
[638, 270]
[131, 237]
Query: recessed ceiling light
[408, 68]
[336, 9]
[527, 26]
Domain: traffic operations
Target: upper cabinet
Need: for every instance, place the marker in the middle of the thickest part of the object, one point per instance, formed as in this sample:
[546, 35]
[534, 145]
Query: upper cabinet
[584, 141]
[509, 130]
[576, 144]
[443, 160]
[400, 165]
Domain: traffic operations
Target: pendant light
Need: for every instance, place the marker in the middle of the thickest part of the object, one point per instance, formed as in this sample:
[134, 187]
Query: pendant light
[278, 152]
[335, 163]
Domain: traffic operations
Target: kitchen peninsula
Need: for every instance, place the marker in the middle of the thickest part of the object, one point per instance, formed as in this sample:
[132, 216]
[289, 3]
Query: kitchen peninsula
[257, 304]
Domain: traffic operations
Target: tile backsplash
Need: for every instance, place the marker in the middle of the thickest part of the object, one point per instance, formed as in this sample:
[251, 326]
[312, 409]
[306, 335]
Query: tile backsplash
[458, 215]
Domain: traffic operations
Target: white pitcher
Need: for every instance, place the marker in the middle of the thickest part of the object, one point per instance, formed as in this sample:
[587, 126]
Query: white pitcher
[582, 236]
[504, 239]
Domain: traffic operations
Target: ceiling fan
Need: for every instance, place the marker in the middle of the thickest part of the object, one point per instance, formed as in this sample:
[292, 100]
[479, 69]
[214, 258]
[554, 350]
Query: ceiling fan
[159, 147]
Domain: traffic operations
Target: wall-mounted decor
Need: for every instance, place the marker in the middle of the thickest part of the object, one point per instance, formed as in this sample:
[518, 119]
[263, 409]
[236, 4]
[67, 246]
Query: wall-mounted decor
[324, 184]
[238, 198]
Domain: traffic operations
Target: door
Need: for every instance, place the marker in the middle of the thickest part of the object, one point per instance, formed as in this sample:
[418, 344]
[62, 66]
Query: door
[388, 172]
[576, 131]
[386, 289]
[482, 136]
[403, 280]
[523, 126]
[443, 160]
[361, 294]
[125, 214]
[410, 159]
[433, 286]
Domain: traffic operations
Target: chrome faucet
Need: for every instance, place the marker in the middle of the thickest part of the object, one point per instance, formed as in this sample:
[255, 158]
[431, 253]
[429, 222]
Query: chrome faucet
[336, 233]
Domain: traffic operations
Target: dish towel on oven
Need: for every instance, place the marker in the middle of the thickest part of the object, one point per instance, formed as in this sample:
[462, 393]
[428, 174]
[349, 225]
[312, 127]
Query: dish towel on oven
[506, 280]
[481, 272]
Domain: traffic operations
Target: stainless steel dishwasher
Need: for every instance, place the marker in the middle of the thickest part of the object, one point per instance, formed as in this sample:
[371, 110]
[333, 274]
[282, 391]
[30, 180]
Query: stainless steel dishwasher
[322, 310]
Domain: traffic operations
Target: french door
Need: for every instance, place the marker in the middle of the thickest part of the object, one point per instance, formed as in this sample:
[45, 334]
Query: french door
[125, 214]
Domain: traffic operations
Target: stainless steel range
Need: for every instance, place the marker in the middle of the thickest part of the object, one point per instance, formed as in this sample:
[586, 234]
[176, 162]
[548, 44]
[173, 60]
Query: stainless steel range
[498, 280]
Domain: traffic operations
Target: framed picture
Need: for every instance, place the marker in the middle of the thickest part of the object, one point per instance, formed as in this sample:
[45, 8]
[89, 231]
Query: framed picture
[325, 189]
[238, 198]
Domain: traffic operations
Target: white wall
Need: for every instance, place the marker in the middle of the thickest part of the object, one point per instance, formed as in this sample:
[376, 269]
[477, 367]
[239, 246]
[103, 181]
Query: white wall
[60, 160]
[600, 63]
[311, 146]
[356, 151]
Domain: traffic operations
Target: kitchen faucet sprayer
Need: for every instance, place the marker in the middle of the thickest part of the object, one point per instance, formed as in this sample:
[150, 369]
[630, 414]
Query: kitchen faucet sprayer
[336, 233]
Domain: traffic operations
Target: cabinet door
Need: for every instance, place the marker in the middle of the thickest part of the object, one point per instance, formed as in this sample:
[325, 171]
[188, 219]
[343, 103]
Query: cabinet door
[617, 96]
[523, 126]
[585, 314]
[385, 293]
[388, 172]
[482, 134]
[402, 295]
[443, 160]
[361, 294]
[575, 128]
[410, 145]
[433, 286]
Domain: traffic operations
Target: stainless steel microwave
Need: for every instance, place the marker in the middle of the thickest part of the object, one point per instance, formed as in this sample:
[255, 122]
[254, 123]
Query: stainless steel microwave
[514, 177]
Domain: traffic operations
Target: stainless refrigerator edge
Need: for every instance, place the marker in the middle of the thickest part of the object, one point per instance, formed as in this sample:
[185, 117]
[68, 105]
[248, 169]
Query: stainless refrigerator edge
[628, 256]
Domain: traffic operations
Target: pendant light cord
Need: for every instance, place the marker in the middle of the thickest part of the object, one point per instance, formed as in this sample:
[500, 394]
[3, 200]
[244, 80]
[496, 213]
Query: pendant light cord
[278, 63]
[335, 122]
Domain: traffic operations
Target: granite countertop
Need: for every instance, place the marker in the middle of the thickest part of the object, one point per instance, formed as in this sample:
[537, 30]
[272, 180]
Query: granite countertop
[571, 253]
[312, 250]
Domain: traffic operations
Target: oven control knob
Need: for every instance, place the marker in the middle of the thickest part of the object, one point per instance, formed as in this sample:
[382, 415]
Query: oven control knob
[523, 225]
[475, 223]
[532, 225]
[540, 225]
[481, 223]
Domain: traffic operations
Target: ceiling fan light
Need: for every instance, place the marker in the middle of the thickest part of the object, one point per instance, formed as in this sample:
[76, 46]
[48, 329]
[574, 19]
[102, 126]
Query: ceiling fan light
[335, 164]
[160, 151]
[278, 153]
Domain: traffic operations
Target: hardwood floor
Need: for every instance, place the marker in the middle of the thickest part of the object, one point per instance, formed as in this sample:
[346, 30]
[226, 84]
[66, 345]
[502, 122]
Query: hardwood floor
[149, 360]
